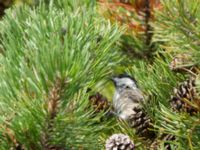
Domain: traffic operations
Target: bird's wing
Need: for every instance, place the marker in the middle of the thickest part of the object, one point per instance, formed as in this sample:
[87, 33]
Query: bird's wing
[134, 95]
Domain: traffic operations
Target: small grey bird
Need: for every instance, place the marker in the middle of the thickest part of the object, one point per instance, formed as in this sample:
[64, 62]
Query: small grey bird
[127, 97]
[128, 103]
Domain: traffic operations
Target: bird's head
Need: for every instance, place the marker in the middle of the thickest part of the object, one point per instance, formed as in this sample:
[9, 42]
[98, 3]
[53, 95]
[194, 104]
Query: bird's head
[124, 81]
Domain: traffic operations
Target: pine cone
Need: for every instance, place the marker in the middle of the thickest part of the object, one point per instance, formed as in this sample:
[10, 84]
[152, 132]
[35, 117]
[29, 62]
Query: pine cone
[185, 92]
[141, 122]
[169, 138]
[119, 142]
[166, 138]
[183, 63]
[99, 102]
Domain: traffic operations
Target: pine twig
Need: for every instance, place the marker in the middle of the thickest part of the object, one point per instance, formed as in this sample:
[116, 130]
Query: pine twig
[8, 133]
[54, 99]
[148, 28]
[17, 145]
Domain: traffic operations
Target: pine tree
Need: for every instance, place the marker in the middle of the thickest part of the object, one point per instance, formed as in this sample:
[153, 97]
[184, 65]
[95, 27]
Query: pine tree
[174, 61]
[56, 56]
[51, 55]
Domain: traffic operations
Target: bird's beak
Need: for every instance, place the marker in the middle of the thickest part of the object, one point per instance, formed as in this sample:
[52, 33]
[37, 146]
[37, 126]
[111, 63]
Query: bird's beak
[114, 80]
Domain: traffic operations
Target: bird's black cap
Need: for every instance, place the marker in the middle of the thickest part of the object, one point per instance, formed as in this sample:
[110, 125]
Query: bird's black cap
[125, 75]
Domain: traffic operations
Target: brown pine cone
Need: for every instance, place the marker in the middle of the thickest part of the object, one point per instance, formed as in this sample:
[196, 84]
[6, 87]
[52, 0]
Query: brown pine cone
[99, 102]
[156, 145]
[184, 95]
[141, 122]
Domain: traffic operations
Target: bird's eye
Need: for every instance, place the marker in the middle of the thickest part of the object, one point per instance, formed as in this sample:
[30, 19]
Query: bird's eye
[127, 87]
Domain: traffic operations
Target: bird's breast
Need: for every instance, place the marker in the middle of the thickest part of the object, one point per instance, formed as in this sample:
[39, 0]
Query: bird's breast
[124, 106]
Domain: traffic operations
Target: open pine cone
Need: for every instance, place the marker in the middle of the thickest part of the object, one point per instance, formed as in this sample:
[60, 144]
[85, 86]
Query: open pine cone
[141, 122]
[166, 138]
[119, 142]
[185, 98]
[99, 102]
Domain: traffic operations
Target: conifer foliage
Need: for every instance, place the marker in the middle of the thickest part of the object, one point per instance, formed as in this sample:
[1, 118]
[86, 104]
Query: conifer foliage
[50, 56]
[53, 52]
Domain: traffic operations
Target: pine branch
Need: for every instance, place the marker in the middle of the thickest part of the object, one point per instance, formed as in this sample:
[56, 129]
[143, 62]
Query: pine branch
[53, 106]
[75, 54]
[148, 28]
[10, 135]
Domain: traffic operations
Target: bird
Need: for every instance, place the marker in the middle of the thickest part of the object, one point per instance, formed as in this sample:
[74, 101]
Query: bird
[127, 97]
[128, 104]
